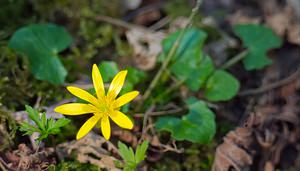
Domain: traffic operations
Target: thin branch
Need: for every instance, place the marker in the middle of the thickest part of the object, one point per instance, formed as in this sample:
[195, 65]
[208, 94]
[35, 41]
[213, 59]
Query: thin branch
[235, 59]
[171, 52]
[160, 113]
[146, 115]
[121, 23]
[271, 86]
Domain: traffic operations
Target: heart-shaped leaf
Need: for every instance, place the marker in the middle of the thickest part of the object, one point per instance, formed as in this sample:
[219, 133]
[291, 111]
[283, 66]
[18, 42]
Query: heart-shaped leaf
[197, 126]
[41, 43]
[258, 39]
[193, 71]
[190, 44]
[188, 64]
[221, 86]
[108, 70]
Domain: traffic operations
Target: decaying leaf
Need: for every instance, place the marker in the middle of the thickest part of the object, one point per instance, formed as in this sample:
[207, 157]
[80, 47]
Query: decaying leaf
[283, 19]
[284, 23]
[234, 153]
[25, 158]
[92, 149]
[146, 46]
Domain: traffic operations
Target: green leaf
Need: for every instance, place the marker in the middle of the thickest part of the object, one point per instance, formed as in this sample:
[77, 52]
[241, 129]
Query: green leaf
[221, 86]
[259, 40]
[61, 122]
[140, 153]
[34, 116]
[41, 43]
[108, 70]
[188, 63]
[28, 129]
[135, 76]
[126, 153]
[197, 126]
[190, 44]
[45, 126]
[193, 71]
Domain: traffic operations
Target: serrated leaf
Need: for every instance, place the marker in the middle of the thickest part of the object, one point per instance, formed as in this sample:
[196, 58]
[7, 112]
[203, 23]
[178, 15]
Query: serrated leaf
[126, 153]
[41, 43]
[45, 126]
[140, 153]
[197, 126]
[34, 116]
[221, 86]
[61, 122]
[28, 129]
[108, 70]
[259, 40]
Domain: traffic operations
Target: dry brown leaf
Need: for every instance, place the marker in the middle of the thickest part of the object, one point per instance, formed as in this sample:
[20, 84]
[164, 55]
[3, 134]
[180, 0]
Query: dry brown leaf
[126, 136]
[92, 149]
[283, 19]
[240, 18]
[233, 152]
[146, 47]
[26, 159]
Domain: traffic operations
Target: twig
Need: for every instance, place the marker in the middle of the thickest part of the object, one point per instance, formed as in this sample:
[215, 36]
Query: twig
[162, 22]
[146, 115]
[160, 113]
[171, 53]
[121, 23]
[3, 165]
[234, 59]
[271, 86]
[170, 148]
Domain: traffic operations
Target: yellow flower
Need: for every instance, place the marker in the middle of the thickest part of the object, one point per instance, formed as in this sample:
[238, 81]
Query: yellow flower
[103, 106]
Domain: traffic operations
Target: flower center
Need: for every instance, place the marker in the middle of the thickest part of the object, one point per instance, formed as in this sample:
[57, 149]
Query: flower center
[106, 105]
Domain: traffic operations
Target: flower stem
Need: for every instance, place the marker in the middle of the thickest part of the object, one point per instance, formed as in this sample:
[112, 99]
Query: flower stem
[234, 59]
[171, 52]
[169, 90]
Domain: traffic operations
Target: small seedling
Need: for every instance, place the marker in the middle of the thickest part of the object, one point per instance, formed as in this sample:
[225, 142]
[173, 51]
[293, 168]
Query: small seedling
[42, 125]
[130, 158]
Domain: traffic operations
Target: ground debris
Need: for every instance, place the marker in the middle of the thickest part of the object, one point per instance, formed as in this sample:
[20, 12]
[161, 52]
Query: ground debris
[283, 19]
[146, 47]
[268, 141]
[25, 158]
[92, 149]
[234, 152]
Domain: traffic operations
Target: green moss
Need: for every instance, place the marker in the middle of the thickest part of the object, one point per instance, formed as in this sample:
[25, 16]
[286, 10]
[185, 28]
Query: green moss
[8, 128]
[17, 85]
[199, 157]
[166, 164]
[73, 166]
[195, 157]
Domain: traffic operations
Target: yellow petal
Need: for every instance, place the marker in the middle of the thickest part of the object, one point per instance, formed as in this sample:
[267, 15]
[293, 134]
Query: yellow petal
[98, 82]
[117, 84]
[105, 127]
[121, 119]
[125, 98]
[87, 126]
[75, 109]
[84, 95]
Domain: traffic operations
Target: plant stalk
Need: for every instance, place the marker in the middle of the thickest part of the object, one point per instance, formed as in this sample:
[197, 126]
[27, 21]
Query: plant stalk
[235, 59]
[171, 53]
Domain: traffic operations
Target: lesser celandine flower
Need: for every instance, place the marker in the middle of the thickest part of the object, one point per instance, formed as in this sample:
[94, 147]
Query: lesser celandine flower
[103, 106]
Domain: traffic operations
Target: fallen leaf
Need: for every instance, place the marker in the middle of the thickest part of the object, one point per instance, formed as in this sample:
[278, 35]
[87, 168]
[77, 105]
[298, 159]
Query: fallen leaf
[146, 46]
